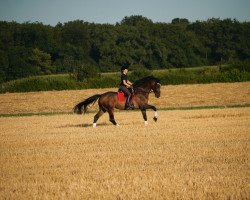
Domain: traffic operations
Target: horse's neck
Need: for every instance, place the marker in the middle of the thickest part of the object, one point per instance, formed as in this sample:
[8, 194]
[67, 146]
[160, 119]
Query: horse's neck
[147, 88]
[143, 90]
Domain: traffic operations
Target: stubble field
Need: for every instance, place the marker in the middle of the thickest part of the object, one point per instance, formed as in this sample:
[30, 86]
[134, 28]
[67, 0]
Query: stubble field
[187, 154]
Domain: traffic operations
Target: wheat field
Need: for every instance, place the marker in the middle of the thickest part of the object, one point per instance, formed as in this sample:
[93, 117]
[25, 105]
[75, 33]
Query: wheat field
[215, 94]
[186, 154]
[201, 154]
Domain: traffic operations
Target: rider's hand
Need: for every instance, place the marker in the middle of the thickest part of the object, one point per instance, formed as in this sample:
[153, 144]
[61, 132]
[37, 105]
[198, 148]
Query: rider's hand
[132, 89]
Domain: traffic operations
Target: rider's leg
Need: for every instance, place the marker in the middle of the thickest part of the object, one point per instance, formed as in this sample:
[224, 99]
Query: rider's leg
[128, 97]
[128, 105]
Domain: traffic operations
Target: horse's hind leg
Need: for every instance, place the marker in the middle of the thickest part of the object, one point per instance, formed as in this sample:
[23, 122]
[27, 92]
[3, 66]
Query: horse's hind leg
[97, 116]
[111, 117]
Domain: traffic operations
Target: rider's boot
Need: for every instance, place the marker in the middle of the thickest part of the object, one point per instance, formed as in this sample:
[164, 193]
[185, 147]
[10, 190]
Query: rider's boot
[127, 104]
[131, 104]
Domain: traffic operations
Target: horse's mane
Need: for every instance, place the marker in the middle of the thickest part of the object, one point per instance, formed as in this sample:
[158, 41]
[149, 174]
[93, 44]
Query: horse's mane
[144, 80]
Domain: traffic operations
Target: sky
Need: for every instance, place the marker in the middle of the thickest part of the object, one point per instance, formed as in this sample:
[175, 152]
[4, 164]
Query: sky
[52, 12]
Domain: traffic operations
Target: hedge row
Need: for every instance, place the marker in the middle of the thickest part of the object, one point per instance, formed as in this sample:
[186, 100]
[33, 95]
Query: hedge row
[167, 77]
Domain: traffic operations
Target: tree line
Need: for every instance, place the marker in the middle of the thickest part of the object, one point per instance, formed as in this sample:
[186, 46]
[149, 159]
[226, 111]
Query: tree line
[29, 49]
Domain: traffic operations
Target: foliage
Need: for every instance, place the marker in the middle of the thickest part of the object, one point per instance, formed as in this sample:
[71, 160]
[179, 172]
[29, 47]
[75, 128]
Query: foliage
[139, 73]
[30, 49]
[40, 83]
[85, 71]
[41, 61]
[111, 80]
[241, 65]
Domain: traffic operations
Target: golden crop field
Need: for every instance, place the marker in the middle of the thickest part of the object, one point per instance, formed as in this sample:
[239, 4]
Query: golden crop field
[215, 94]
[187, 154]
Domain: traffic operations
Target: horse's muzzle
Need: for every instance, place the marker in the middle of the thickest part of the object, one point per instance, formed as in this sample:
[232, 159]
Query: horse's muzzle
[157, 95]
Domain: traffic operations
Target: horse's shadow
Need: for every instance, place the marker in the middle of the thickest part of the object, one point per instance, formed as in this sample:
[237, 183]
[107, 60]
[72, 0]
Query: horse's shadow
[85, 125]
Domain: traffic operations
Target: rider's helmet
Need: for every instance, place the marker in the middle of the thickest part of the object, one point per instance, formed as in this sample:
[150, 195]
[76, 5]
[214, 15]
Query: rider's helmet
[124, 67]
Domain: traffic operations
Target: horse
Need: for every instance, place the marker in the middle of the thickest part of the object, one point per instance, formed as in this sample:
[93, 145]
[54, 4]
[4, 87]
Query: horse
[108, 101]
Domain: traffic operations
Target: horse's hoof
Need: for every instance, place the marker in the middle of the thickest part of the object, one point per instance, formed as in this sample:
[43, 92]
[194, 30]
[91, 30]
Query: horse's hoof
[117, 125]
[146, 123]
[155, 119]
[94, 125]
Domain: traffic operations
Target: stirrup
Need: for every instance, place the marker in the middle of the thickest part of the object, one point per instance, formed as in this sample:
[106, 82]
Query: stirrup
[127, 107]
[132, 106]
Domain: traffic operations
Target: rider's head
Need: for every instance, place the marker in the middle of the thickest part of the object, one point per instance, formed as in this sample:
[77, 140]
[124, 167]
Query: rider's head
[124, 68]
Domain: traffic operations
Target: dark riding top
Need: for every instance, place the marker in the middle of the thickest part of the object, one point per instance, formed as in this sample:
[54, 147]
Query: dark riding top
[124, 77]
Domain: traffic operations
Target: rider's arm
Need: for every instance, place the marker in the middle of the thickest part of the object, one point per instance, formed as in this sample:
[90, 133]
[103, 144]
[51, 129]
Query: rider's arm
[130, 84]
[125, 83]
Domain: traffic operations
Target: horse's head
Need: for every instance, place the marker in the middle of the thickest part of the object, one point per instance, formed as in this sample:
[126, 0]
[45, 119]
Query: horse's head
[157, 89]
[148, 84]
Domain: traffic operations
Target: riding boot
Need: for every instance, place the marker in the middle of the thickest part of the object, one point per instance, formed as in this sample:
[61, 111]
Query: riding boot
[127, 105]
[131, 104]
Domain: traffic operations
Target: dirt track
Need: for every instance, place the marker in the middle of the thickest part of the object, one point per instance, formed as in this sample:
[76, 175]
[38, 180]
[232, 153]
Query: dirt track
[172, 96]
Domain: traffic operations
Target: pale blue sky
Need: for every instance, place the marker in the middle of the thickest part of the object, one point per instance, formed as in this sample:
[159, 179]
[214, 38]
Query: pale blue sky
[112, 11]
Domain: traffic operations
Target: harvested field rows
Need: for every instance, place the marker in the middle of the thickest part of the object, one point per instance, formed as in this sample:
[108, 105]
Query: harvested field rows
[198, 154]
[216, 94]
[195, 154]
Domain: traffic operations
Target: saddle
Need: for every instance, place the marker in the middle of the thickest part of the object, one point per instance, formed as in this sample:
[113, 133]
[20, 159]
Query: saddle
[122, 96]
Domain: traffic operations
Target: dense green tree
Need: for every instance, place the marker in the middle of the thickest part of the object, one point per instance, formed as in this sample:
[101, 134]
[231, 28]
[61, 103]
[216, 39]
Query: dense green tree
[33, 48]
[41, 61]
[136, 20]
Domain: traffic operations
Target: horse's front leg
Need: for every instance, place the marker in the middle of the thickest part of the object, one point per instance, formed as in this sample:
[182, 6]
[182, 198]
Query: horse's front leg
[145, 115]
[155, 112]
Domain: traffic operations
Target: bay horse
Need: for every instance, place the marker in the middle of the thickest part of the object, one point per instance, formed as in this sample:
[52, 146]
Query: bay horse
[109, 101]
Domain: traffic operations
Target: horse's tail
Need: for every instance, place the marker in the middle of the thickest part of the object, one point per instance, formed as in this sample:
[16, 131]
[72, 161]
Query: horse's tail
[83, 106]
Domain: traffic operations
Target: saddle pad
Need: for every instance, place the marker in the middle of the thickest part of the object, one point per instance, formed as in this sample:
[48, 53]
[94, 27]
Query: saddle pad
[121, 96]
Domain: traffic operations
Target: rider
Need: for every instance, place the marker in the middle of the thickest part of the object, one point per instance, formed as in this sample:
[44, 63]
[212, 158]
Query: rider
[125, 84]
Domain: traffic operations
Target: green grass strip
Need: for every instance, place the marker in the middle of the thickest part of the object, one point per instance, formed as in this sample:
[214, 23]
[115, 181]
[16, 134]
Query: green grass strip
[34, 114]
[206, 107]
[170, 108]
